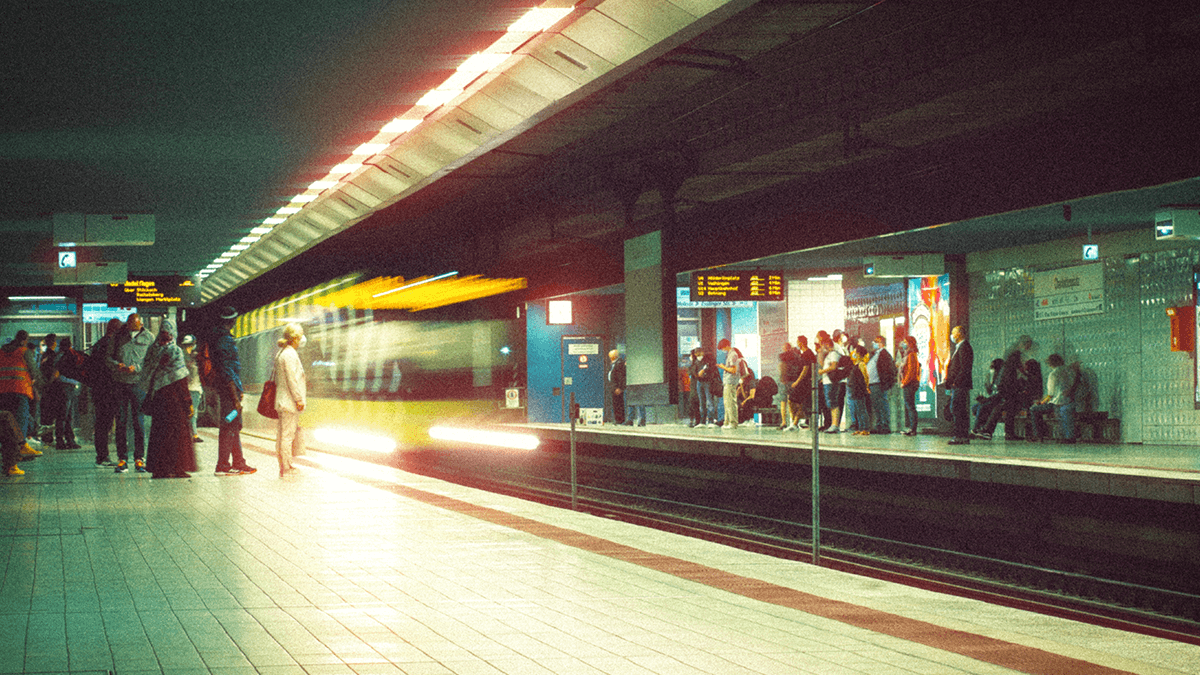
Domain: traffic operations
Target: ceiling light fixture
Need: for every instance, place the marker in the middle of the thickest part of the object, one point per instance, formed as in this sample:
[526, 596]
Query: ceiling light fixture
[322, 185]
[367, 149]
[261, 230]
[401, 125]
[539, 19]
[273, 221]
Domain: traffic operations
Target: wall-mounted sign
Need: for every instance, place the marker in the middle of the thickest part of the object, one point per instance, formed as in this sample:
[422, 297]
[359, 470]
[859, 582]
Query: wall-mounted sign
[154, 292]
[737, 285]
[1070, 291]
[66, 260]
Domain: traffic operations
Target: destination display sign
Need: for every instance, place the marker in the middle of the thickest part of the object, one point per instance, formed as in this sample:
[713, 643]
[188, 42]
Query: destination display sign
[169, 291]
[737, 285]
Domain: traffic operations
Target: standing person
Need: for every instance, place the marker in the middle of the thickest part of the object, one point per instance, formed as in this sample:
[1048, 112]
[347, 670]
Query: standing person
[789, 372]
[227, 369]
[291, 395]
[800, 390]
[881, 377]
[835, 390]
[857, 391]
[69, 367]
[733, 372]
[16, 385]
[697, 404]
[195, 387]
[709, 376]
[958, 383]
[125, 360]
[616, 378]
[100, 385]
[910, 381]
[48, 392]
[172, 454]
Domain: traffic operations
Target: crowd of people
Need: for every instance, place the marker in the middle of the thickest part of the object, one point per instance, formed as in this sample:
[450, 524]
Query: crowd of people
[132, 374]
[857, 380]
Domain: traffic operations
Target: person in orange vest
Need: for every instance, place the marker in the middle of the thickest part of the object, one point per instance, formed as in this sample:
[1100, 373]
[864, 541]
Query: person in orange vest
[16, 385]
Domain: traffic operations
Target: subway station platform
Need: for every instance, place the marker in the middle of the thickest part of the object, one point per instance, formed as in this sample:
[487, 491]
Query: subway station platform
[349, 568]
[1165, 473]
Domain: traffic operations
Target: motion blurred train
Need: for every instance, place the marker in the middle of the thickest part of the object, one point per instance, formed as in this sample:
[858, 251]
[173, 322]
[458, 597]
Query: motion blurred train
[380, 374]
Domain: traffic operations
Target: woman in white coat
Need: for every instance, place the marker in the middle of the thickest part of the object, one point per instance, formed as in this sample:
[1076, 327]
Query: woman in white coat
[290, 396]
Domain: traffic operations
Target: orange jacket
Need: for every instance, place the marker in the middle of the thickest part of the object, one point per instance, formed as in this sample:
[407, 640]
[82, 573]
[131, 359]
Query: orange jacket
[14, 373]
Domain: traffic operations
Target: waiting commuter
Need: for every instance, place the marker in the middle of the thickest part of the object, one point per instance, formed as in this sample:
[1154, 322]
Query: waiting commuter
[857, 392]
[125, 360]
[616, 380]
[172, 452]
[985, 404]
[291, 396]
[195, 387]
[102, 389]
[958, 383]
[65, 388]
[833, 382]
[733, 371]
[227, 369]
[16, 385]
[800, 389]
[708, 377]
[881, 377]
[910, 382]
[789, 372]
[47, 393]
[1013, 389]
[1061, 386]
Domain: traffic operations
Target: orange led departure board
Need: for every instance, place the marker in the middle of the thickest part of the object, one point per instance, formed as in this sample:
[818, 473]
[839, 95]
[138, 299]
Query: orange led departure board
[154, 292]
[737, 285]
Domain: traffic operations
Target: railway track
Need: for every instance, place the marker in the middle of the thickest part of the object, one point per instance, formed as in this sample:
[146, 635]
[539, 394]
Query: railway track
[1140, 609]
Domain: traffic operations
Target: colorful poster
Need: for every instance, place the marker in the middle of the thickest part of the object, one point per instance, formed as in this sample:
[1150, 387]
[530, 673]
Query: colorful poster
[929, 323]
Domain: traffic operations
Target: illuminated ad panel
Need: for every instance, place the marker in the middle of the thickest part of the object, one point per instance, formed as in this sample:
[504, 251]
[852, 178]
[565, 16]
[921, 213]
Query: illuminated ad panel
[734, 285]
[1196, 318]
[929, 323]
[168, 291]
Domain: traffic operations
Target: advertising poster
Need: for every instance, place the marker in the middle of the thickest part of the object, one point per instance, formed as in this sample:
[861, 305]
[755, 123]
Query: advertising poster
[929, 323]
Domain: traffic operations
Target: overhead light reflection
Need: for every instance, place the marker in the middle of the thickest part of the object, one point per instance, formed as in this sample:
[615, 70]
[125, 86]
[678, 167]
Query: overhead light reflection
[354, 439]
[501, 439]
[539, 19]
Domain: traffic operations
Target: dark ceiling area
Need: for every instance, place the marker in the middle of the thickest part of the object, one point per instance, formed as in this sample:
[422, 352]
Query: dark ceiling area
[788, 125]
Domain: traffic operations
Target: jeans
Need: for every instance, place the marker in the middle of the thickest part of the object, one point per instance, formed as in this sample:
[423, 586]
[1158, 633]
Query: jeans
[229, 434]
[195, 408]
[129, 414]
[708, 408]
[1066, 419]
[729, 394]
[64, 424]
[910, 408]
[18, 405]
[856, 411]
[879, 407]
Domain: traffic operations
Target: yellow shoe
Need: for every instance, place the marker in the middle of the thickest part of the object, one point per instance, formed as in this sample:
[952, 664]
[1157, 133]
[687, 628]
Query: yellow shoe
[30, 452]
[14, 470]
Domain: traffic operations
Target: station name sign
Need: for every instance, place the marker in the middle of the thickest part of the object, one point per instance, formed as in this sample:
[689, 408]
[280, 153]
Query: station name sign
[737, 285]
[168, 291]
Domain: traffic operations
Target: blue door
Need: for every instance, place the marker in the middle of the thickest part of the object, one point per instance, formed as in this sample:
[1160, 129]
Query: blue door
[584, 370]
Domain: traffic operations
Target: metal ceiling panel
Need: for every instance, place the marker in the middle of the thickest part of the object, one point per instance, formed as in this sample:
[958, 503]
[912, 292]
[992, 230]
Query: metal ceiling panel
[515, 96]
[368, 199]
[461, 122]
[608, 38]
[655, 20]
[538, 77]
[568, 57]
[491, 111]
[327, 214]
[348, 208]
[385, 177]
[699, 8]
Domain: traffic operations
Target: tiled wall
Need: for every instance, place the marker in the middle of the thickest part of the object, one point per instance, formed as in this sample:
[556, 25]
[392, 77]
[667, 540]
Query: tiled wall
[1124, 352]
[814, 306]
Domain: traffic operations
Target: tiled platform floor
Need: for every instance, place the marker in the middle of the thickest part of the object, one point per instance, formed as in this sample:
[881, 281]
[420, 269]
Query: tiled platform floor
[348, 568]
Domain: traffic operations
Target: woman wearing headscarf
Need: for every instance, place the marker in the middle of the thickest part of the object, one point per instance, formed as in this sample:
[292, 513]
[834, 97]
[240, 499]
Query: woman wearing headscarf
[291, 392]
[171, 451]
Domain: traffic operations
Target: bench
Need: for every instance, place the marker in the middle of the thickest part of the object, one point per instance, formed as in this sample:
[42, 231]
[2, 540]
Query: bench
[1099, 426]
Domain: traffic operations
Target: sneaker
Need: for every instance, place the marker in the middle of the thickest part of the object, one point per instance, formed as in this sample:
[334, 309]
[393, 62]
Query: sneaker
[981, 436]
[14, 470]
[139, 466]
[197, 439]
[28, 451]
[242, 470]
[105, 462]
[223, 472]
[122, 467]
[791, 427]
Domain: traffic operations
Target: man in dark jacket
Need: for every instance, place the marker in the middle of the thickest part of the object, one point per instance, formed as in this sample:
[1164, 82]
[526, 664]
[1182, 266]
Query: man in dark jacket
[881, 372]
[227, 369]
[958, 383]
[616, 380]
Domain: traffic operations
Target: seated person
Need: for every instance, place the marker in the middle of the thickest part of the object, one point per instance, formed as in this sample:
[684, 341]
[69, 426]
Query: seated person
[1059, 399]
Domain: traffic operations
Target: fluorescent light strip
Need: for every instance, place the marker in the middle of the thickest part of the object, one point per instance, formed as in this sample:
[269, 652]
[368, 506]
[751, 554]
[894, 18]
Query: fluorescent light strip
[273, 221]
[261, 230]
[367, 149]
[415, 283]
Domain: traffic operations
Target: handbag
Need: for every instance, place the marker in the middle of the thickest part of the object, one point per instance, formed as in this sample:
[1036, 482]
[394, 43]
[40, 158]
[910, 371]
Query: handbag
[266, 402]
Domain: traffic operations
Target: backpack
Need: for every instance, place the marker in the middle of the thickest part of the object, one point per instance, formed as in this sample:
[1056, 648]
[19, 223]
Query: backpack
[839, 373]
[204, 365]
[93, 371]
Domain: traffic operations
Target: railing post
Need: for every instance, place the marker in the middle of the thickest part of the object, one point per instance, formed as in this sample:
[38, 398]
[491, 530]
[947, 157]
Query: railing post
[574, 484]
[814, 422]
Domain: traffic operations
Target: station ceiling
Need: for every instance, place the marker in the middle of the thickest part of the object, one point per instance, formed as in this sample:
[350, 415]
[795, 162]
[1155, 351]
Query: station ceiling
[744, 128]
